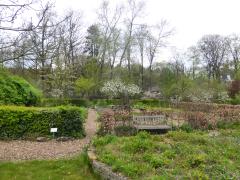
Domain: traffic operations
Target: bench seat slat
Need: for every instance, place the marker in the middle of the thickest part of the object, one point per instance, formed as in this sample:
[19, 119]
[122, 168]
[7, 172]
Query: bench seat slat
[152, 127]
[151, 122]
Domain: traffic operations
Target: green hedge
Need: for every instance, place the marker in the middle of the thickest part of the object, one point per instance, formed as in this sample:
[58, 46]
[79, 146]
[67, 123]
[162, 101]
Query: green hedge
[48, 102]
[150, 103]
[17, 91]
[21, 122]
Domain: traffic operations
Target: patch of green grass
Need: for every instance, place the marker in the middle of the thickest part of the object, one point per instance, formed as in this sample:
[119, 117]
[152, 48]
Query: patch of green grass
[177, 154]
[68, 169]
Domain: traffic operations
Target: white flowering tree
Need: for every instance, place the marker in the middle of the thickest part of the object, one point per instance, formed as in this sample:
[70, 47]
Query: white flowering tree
[116, 88]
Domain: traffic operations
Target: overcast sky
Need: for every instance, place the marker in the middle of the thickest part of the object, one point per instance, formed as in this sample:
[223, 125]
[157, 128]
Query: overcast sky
[191, 18]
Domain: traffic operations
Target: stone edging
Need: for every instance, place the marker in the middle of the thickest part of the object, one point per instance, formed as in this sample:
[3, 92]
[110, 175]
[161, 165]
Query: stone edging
[102, 169]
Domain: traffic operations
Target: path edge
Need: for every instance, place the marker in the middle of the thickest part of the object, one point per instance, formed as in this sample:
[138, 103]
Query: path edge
[103, 170]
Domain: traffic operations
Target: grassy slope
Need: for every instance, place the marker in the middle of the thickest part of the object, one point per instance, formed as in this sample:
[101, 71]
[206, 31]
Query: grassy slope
[176, 154]
[67, 169]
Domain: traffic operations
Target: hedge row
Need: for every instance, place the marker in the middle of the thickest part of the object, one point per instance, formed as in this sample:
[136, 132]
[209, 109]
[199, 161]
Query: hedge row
[47, 102]
[204, 107]
[24, 122]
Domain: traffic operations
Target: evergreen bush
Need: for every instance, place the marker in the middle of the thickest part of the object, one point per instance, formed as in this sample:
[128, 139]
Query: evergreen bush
[17, 91]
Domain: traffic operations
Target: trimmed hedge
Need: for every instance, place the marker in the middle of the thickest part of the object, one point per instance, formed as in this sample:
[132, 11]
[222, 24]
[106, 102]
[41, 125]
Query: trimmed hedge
[150, 103]
[24, 122]
[48, 102]
[17, 91]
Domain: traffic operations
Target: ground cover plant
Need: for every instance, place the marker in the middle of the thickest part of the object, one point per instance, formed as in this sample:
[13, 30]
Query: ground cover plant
[177, 154]
[20, 122]
[73, 168]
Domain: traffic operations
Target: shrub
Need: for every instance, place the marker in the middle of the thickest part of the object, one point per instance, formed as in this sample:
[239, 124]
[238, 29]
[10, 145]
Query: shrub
[48, 102]
[125, 130]
[15, 90]
[150, 103]
[105, 102]
[234, 88]
[20, 122]
[236, 100]
[111, 120]
[186, 127]
[107, 122]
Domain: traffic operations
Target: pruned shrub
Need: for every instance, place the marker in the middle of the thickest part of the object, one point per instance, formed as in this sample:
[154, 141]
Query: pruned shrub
[21, 122]
[107, 122]
[115, 122]
[17, 91]
[123, 117]
[197, 120]
[234, 88]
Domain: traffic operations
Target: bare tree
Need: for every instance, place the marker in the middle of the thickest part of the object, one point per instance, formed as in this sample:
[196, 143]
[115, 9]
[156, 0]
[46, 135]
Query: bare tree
[45, 44]
[108, 24]
[177, 63]
[141, 37]
[213, 49]
[233, 43]
[156, 42]
[134, 10]
[113, 49]
[193, 56]
[71, 38]
[13, 26]
[9, 12]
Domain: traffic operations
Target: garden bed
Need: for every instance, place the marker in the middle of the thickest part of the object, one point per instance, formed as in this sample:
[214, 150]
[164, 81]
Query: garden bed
[178, 154]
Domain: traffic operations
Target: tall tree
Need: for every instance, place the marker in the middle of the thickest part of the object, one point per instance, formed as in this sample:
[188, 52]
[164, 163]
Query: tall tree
[233, 43]
[213, 49]
[108, 24]
[156, 42]
[141, 36]
[134, 10]
[45, 42]
[93, 41]
[194, 58]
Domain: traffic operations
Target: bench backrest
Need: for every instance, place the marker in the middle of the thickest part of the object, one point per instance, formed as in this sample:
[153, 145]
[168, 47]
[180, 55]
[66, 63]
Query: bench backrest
[150, 120]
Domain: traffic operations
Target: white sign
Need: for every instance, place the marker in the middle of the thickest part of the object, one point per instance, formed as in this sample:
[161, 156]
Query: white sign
[53, 130]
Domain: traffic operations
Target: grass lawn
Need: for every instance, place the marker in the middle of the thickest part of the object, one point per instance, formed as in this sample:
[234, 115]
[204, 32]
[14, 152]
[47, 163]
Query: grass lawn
[178, 154]
[74, 168]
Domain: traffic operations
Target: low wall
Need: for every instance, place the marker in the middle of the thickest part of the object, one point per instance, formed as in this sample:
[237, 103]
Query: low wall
[102, 169]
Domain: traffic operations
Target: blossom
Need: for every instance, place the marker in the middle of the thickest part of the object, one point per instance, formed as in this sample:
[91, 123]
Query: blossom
[116, 88]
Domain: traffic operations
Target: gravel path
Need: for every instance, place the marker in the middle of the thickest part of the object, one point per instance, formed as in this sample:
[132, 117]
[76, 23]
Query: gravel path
[28, 150]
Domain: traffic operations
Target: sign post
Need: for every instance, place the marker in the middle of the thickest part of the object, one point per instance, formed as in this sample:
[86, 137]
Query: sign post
[53, 130]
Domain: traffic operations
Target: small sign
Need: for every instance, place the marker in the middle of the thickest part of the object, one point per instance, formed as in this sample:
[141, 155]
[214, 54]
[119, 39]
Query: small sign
[53, 130]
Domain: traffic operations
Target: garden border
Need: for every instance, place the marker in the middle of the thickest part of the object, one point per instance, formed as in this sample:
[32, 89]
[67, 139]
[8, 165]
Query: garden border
[103, 170]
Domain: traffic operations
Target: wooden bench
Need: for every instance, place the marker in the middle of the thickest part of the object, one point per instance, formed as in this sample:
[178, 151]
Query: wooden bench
[151, 123]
